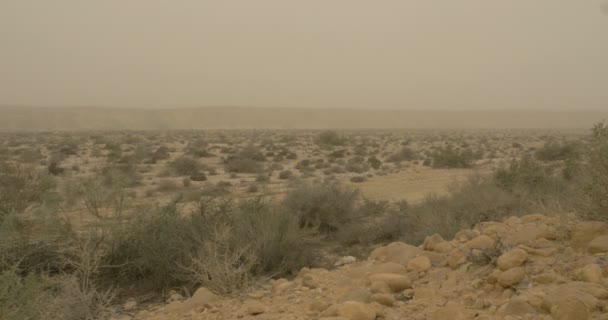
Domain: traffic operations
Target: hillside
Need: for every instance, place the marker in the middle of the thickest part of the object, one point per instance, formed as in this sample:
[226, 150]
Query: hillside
[98, 118]
[533, 267]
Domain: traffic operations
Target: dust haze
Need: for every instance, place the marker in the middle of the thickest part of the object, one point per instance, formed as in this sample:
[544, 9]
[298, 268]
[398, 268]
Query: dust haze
[442, 55]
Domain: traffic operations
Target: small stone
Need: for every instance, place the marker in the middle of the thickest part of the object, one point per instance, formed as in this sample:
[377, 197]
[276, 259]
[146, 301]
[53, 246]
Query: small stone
[255, 308]
[345, 260]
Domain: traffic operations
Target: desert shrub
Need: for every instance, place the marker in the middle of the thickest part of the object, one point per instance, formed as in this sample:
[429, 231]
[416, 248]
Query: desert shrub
[536, 183]
[374, 162]
[374, 222]
[450, 157]
[476, 200]
[185, 165]
[198, 176]
[20, 296]
[324, 205]
[358, 179]
[167, 185]
[405, 154]
[120, 175]
[21, 187]
[103, 201]
[242, 165]
[329, 138]
[285, 174]
[595, 185]
[552, 151]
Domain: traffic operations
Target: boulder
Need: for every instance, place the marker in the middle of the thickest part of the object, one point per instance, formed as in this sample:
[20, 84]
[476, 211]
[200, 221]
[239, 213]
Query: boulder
[512, 259]
[511, 277]
[419, 264]
[396, 282]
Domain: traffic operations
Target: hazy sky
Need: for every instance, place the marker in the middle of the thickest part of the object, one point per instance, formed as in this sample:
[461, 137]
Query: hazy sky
[441, 54]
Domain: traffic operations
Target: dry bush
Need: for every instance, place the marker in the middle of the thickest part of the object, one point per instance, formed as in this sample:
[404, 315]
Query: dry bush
[218, 266]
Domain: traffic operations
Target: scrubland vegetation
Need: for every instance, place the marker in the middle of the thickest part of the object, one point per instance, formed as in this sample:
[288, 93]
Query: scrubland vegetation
[89, 219]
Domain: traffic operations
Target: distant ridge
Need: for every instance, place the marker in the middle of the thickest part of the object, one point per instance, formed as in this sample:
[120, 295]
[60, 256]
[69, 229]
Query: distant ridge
[100, 118]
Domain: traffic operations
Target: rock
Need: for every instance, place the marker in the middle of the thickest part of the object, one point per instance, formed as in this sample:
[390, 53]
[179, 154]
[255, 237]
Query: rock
[482, 242]
[451, 311]
[511, 277]
[319, 306]
[380, 287]
[345, 260]
[466, 235]
[517, 307]
[203, 297]
[570, 308]
[419, 264]
[255, 308]
[556, 294]
[591, 273]
[512, 259]
[584, 232]
[599, 244]
[402, 253]
[456, 259]
[361, 295]
[310, 281]
[396, 282]
[175, 297]
[389, 267]
[431, 242]
[384, 299]
[354, 310]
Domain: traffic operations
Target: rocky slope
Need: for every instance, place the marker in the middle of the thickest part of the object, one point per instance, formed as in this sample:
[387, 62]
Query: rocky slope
[533, 267]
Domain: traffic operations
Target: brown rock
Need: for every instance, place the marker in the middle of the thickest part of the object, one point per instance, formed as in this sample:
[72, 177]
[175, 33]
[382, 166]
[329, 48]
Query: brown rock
[512, 259]
[384, 299]
[599, 244]
[591, 273]
[517, 307]
[511, 277]
[394, 281]
[432, 241]
[356, 311]
[482, 242]
[255, 308]
[456, 258]
[419, 264]
[361, 295]
[570, 308]
[380, 287]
